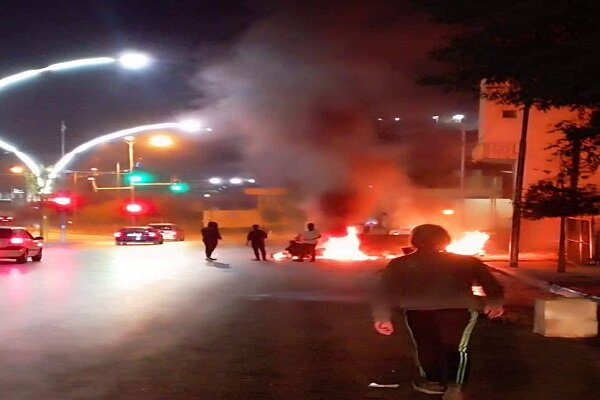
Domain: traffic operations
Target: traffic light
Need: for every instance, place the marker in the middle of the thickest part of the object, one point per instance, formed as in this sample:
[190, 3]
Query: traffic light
[178, 187]
[134, 208]
[137, 207]
[137, 177]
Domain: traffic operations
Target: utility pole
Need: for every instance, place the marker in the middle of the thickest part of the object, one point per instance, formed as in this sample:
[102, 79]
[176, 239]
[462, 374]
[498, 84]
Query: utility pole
[63, 134]
[515, 234]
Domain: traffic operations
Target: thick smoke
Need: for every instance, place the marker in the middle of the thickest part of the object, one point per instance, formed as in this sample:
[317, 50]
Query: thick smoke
[302, 89]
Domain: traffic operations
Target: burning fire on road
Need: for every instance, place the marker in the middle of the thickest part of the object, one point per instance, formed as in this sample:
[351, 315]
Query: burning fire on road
[347, 248]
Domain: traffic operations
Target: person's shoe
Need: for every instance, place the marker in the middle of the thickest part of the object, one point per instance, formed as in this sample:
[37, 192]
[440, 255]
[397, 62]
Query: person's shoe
[453, 393]
[212, 259]
[208, 259]
[428, 387]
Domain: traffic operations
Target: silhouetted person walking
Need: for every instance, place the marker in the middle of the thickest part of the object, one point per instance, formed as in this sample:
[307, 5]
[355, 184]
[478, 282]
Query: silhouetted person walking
[256, 237]
[432, 288]
[211, 237]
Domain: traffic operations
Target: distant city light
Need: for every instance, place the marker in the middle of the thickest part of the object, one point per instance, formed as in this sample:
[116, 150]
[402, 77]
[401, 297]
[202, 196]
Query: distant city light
[458, 117]
[397, 119]
[93, 169]
[236, 181]
[448, 212]
[379, 119]
[436, 118]
[134, 60]
[215, 181]
[161, 141]
[251, 180]
[207, 195]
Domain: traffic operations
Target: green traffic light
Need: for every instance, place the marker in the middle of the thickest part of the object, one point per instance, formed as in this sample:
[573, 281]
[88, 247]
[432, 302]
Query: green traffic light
[139, 177]
[179, 187]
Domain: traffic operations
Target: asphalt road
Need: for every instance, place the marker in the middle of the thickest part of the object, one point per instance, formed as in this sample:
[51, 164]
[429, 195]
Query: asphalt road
[96, 321]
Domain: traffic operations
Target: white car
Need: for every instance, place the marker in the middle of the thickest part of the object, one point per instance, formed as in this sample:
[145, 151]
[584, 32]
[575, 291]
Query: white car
[169, 231]
[18, 244]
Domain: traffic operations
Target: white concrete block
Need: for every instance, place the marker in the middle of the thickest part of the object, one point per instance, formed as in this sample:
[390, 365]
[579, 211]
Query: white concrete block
[566, 317]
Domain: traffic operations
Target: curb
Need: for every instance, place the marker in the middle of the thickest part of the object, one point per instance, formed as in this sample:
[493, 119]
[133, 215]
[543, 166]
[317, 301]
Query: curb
[546, 286]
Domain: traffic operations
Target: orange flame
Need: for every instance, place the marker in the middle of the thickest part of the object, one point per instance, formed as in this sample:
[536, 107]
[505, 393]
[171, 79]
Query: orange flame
[471, 244]
[345, 248]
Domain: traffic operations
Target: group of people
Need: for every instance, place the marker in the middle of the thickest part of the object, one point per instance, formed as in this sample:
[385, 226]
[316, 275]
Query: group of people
[306, 241]
[430, 289]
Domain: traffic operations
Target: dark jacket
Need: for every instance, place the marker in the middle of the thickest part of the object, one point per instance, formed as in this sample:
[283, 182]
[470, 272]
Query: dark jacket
[430, 280]
[257, 237]
[210, 234]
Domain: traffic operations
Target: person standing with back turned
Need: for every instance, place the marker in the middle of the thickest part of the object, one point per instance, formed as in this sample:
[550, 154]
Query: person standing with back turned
[432, 288]
[256, 237]
[211, 237]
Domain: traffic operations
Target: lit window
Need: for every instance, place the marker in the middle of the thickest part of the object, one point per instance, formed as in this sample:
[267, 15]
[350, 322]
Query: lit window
[509, 113]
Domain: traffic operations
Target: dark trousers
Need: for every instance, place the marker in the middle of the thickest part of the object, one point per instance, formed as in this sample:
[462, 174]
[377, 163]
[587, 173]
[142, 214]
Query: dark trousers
[310, 249]
[441, 341]
[209, 247]
[259, 248]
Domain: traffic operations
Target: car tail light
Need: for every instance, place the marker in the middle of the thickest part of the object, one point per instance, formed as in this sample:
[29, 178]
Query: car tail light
[17, 240]
[151, 234]
[118, 234]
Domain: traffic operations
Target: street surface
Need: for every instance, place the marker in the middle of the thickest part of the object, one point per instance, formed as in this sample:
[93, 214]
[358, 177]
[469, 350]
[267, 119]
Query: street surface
[97, 321]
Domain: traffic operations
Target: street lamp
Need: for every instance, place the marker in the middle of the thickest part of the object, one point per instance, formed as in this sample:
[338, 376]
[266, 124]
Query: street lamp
[127, 60]
[17, 169]
[161, 141]
[130, 132]
[215, 181]
[458, 118]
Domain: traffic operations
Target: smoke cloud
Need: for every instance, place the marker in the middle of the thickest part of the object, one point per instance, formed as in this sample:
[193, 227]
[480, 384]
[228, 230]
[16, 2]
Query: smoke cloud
[301, 90]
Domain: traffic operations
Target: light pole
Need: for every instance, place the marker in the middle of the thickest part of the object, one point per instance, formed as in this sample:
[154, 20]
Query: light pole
[463, 145]
[130, 61]
[130, 140]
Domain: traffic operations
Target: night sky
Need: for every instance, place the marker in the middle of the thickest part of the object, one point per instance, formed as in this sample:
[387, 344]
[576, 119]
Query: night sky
[187, 39]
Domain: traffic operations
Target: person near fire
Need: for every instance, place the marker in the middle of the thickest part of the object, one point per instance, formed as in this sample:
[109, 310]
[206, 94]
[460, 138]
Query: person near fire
[256, 237]
[431, 288]
[211, 237]
[308, 240]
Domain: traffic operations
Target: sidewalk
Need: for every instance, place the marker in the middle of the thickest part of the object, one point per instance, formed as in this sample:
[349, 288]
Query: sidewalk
[580, 281]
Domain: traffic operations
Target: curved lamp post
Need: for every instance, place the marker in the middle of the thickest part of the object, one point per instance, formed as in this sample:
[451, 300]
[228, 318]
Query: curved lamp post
[127, 60]
[189, 126]
[31, 164]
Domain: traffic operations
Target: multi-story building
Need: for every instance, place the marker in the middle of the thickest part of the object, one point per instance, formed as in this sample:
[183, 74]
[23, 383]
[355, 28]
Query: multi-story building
[499, 134]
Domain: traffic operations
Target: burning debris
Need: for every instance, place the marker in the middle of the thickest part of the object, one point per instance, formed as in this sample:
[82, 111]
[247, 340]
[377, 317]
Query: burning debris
[348, 247]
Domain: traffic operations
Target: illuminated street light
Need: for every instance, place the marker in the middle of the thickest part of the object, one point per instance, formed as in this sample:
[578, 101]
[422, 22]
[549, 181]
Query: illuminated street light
[161, 141]
[251, 180]
[458, 117]
[215, 181]
[397, 119]
[29, 162]
[17, 169]
[134, 60]
[126, 134]
[191, 126]
[129, 61]
[236, 181]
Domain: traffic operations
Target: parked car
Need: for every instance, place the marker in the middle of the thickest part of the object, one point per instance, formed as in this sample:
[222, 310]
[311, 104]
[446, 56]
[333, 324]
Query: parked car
[169, 231]
[138, 234]
[17, 243]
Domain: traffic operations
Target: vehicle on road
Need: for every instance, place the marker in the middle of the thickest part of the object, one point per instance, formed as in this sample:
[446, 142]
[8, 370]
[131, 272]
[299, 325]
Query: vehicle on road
[6, 218]
[138, 234]
[18, 244]
[169, 231]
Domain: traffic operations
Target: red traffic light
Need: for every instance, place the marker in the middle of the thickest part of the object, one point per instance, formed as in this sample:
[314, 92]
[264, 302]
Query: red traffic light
[134, 208]
[62, 201]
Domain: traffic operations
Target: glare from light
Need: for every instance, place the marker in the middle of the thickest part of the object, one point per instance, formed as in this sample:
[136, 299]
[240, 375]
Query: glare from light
[129, 139]
[379, 119]
[29, 162]
[84, 62]
[17, 169]
[21, 76]
[251, 180]
[93, 169]
[207, 195]
[161, 141]
[397, 119]
[215, 181]
[190, 125]
[91, 178]
[236, 181]
[134, 60]
[133, 208]
[62, 200]
[458, 117]
[436, 118]
[448, 212]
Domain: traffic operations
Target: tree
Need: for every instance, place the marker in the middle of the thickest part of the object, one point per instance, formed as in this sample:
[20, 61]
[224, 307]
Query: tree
[562, 197]
[527, 54]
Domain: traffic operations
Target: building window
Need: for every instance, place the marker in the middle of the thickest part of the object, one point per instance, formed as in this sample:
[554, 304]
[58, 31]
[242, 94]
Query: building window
[509, 113]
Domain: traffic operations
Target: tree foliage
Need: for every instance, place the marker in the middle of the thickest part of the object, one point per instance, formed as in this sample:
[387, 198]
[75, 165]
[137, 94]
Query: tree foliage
[547, 199]
[527, 51]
